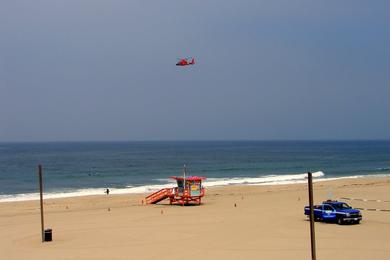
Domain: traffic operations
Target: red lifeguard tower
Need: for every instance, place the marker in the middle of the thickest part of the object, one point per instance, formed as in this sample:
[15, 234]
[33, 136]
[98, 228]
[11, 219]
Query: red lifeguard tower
[189, 190]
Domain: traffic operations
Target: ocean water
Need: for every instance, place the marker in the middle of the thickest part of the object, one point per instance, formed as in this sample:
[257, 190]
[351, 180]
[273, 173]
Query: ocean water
[81, 168]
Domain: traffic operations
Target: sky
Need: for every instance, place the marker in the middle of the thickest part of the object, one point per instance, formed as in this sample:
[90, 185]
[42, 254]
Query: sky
[81, 70]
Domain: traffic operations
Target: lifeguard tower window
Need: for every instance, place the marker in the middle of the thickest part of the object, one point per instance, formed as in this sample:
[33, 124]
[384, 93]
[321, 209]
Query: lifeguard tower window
[180, 183]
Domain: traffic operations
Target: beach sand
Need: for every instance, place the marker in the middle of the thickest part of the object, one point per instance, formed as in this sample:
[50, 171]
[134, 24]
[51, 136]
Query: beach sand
[267, 223]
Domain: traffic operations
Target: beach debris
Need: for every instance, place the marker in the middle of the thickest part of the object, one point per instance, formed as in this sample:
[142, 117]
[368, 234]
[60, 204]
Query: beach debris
[235, 205]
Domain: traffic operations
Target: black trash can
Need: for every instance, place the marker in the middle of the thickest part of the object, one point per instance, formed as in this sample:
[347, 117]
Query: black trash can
[48, 235]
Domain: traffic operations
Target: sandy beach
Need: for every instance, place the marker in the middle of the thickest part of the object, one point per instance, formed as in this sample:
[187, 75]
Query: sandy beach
[266, 223]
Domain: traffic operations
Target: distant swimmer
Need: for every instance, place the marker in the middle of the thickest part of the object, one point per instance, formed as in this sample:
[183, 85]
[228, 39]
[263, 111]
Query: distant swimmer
[107, 191]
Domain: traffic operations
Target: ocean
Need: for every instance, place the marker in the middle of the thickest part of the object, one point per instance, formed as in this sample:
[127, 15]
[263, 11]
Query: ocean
[87, 168]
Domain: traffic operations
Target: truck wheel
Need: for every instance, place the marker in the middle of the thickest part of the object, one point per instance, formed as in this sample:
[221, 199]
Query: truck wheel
[357, 221]
[340, 221]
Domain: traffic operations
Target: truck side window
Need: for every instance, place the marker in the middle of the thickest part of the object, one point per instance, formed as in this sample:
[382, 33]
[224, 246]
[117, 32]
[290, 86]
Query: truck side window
[327, 207]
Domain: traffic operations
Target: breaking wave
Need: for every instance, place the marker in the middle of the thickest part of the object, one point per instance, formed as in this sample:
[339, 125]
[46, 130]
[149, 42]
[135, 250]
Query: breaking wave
[211, 182]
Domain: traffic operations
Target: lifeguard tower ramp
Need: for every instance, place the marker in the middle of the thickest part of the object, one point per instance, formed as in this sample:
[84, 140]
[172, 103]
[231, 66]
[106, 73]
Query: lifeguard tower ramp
[159, 196]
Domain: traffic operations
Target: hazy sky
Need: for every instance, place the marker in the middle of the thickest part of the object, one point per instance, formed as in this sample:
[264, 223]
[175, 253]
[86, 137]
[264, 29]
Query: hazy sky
[105, 70]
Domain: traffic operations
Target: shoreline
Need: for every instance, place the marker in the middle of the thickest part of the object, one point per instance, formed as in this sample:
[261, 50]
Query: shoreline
[139, 198]
[268, 180]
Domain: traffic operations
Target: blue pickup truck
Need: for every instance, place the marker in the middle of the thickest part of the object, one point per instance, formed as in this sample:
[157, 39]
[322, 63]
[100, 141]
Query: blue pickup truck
[335, 211]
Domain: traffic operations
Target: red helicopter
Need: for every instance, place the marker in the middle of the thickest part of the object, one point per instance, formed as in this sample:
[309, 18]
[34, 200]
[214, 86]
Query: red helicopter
[186, 62]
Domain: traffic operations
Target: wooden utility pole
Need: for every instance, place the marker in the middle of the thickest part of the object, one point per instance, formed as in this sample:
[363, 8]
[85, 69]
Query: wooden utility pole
[41, 199]
[312, 233]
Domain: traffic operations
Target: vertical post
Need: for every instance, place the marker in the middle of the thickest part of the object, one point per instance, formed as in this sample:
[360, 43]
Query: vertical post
[184, 184]
[312, 233]
[41, 199]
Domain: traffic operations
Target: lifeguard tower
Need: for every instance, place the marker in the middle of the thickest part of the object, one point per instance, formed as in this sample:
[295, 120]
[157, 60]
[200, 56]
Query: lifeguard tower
[189, 190]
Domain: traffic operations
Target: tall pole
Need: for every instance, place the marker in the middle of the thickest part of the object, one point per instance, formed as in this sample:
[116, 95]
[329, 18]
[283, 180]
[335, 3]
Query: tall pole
[41, 199]
[312, 233]
[184, 180]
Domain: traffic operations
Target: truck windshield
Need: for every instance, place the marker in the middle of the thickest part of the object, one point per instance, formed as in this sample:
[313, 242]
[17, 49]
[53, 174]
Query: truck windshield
[341, 206]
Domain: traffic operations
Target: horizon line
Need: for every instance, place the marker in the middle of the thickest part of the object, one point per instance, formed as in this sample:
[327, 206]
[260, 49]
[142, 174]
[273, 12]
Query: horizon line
[196, 140]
